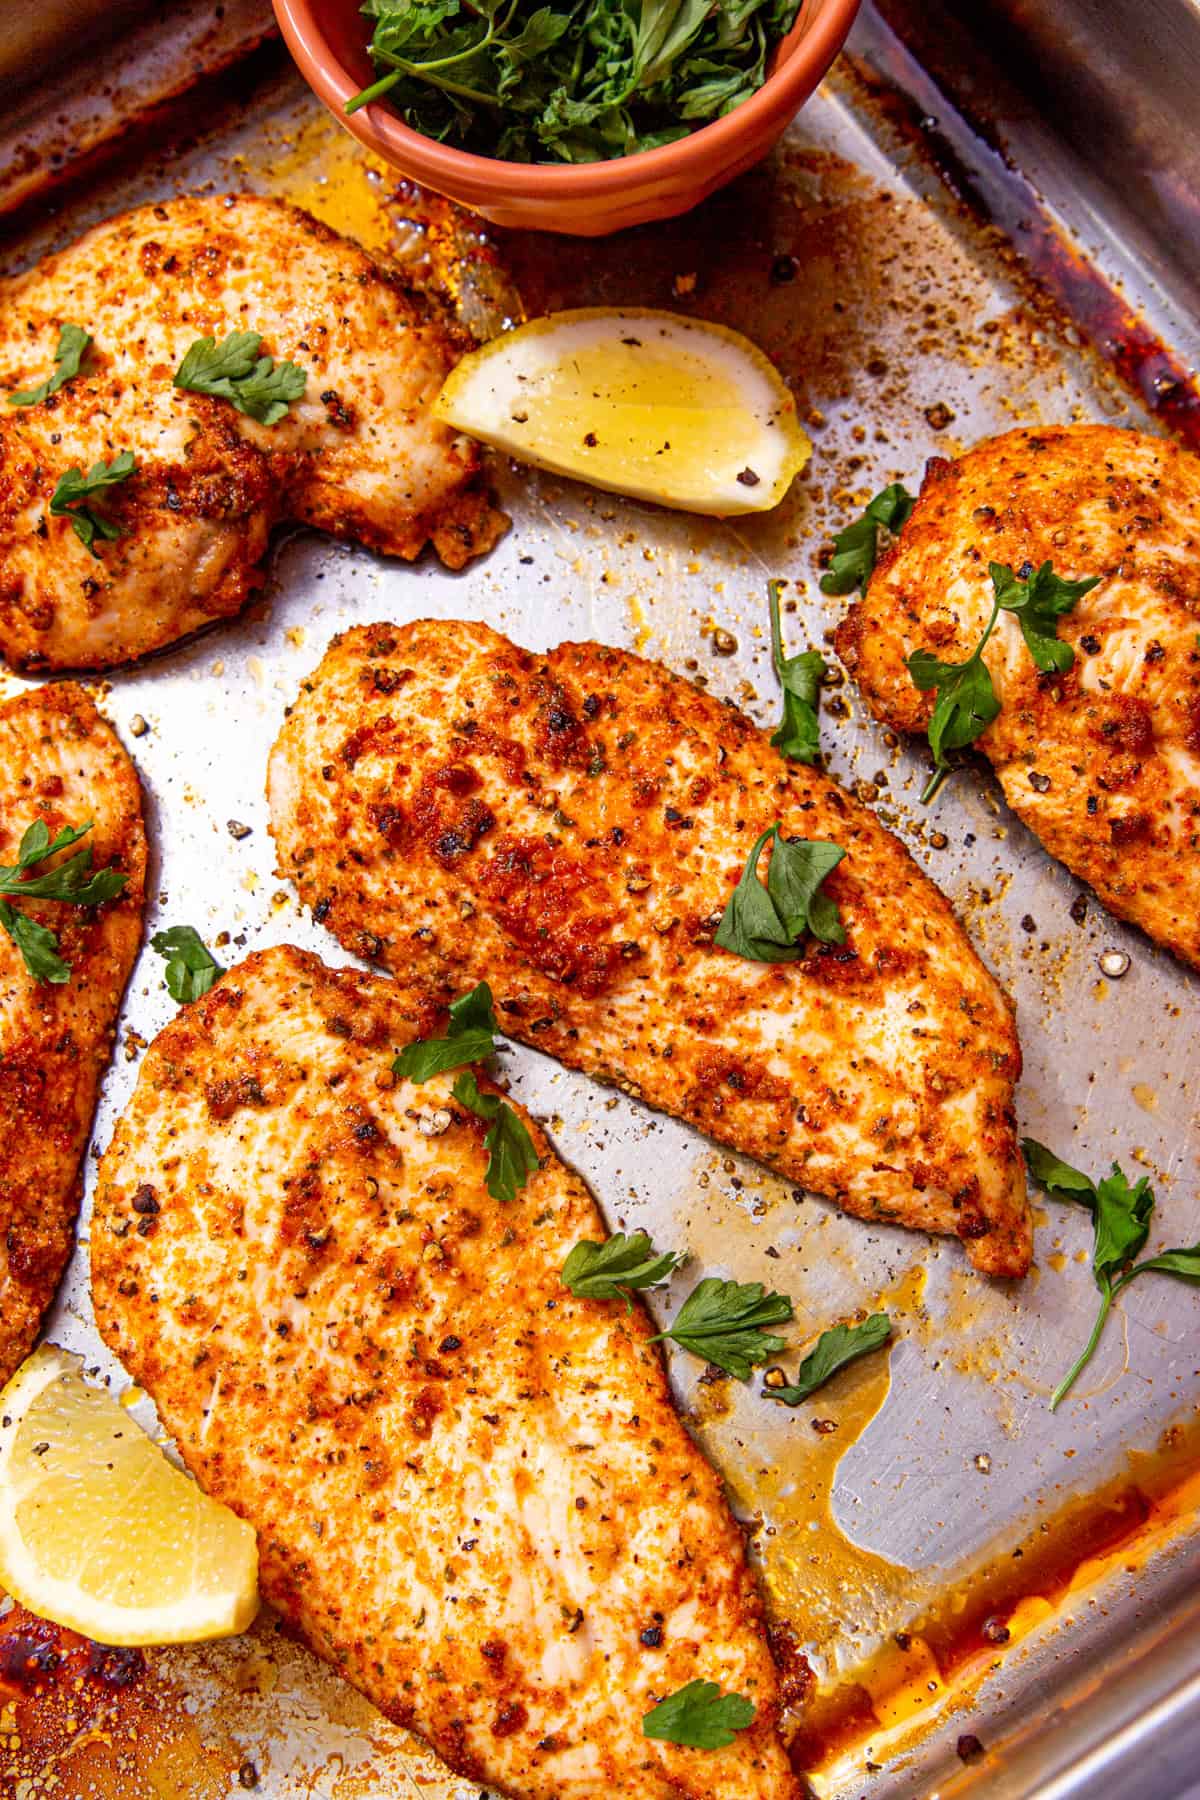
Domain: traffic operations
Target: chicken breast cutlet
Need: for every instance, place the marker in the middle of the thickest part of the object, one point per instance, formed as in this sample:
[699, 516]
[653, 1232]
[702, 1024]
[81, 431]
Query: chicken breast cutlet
[358, 455]
[569, 827]
[1102, 762]
[61, 763]
[472, 1493]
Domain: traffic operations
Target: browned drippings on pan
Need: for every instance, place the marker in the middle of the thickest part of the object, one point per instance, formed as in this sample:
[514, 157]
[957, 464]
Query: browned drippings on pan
[81, 1721]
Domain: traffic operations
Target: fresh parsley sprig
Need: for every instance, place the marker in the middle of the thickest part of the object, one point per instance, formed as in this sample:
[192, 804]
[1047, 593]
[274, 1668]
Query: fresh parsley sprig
[1183, 1262]
[722, 1321]
[536, 82]
[233, 370]
[512, 1158]
[75, 489]
[769, 924]
[1040, 598]
[191, 969]
[470, 1036]
[1121, 1216]
[72, 881]
[856, 549]
[966, 699]
[611, 1270]
[699, 1716]
[840, 1345]
[73, 342]
[799, 735]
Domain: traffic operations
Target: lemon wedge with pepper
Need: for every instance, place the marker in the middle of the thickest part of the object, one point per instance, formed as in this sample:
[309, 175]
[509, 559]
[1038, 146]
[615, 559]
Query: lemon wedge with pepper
[650, 404]
[99, 1532]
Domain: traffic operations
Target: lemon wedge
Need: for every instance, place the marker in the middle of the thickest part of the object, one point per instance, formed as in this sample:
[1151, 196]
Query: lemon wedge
[644, 403]
[99, 1532]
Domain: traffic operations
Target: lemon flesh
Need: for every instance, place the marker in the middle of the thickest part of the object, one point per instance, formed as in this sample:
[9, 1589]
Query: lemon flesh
[99, 1532]
[649, 404]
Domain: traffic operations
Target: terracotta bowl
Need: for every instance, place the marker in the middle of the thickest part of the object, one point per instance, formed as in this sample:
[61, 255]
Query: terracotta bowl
[328, 39]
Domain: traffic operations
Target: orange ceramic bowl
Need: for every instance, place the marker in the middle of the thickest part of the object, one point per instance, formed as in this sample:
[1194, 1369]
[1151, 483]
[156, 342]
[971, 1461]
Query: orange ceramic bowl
[328, 38]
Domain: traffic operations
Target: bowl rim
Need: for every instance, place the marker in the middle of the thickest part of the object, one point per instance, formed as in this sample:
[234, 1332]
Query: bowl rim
[815, 39]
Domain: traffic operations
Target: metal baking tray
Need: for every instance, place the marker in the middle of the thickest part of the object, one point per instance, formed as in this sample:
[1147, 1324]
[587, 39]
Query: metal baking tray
[945, 245]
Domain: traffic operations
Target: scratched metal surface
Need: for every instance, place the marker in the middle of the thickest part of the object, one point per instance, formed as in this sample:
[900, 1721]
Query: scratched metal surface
[897, 309]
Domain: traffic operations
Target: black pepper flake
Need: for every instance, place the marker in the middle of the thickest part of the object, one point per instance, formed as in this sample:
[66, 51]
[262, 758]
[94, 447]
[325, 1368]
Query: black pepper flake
[143, 1200]
[651, 1637]
[248, 1775]
[783, 269]
[748, 478]
[996, 1631]
[448, 1344]
[115, 1665]
[969, 1747]
[590, 439]
[1038, 782]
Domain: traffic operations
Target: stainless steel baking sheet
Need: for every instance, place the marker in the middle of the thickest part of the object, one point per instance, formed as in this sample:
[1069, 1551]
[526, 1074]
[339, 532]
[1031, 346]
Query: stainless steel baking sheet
[907, 329]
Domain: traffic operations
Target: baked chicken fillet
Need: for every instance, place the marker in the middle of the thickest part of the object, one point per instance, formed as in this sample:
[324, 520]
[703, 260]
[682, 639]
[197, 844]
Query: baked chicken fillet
[570, 827]
[59, 762]
[359, 455]
[472, 1494]
[1102, 762]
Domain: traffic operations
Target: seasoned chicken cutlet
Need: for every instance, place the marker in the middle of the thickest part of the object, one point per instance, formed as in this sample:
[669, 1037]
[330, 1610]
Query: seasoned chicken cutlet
[359, 454]
[569, 827]
[1102, 762]
[472, 1493]
[60, 762]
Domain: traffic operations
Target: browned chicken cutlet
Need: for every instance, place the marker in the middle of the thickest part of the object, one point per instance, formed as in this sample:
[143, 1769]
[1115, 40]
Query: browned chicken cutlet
[1102, 762]
[569, 827]
[59, 761]
[359, 455]
[471, 1491]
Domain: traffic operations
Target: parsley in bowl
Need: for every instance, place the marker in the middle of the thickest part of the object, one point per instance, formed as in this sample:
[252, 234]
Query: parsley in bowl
[535, 83]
